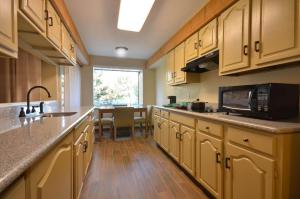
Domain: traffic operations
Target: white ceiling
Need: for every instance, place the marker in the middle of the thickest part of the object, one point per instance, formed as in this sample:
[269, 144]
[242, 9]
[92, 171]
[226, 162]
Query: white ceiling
[96, 21]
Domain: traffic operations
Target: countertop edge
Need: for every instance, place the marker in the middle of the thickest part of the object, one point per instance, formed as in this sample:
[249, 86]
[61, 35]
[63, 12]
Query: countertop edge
[249, 124]
[16, 172]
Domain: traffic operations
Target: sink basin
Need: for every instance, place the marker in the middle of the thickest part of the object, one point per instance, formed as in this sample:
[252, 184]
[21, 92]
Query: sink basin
[59, 114]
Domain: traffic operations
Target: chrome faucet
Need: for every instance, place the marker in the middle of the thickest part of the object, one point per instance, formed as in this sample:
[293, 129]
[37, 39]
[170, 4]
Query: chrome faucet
[28, 97]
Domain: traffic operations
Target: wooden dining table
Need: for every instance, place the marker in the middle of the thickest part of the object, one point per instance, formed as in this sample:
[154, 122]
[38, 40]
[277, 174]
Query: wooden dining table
[110, 109]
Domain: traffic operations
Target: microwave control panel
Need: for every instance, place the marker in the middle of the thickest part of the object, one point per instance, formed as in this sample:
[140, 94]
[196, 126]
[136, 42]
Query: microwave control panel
[262, 99]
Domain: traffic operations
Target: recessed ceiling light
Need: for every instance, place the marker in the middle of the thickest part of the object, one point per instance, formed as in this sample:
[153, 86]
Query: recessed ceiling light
[121, 51]
[133, 14]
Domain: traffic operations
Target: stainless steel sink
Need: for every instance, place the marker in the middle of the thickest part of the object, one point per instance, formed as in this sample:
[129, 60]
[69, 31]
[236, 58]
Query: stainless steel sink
[59, 114]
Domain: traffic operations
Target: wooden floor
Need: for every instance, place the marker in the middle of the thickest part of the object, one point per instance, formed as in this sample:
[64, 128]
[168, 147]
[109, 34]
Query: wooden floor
[135, 169]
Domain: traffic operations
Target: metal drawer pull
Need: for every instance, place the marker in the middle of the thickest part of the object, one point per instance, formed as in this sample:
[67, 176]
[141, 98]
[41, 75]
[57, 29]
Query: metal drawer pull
[218, 157]
[246, 50]
[50, 21]
[257, 46]
[246, 140]
[207, 128]
[195, 46]
[227, 160]
[177, 135]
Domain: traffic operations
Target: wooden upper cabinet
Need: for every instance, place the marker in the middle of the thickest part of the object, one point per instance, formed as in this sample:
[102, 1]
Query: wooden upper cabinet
[191, 47]
[209, 163]
[72, 50]
[276, 31]
[8, 28]
[53, 25]
[170, 67]
[35, 10]
[66, 41]
[179, 63]
[208, 38]
[234, 27]
[187, 160]
[174, 142]
[248, 174]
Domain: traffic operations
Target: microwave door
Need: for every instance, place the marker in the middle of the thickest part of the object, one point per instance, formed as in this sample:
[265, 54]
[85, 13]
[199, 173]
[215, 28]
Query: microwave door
[240, 100]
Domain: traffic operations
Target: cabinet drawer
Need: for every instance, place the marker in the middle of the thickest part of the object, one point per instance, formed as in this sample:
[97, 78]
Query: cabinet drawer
[253, 139]
[156, 111]
[210, 128]
[79, 129]
[185, 120]
[164, 114]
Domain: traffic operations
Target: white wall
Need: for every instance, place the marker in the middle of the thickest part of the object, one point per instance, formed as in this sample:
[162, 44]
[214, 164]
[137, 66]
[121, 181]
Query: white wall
[72, 86]
[207, 89]
[86, 85]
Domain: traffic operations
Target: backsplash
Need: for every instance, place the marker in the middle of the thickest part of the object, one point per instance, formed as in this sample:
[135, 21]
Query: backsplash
[207, 89]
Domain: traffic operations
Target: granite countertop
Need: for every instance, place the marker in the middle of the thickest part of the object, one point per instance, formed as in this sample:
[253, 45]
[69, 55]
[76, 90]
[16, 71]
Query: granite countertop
[24, 141]
[276, 127]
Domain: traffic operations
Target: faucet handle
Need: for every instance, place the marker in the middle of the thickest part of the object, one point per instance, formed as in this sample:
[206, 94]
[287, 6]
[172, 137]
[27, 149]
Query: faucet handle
[22, 113]
[33, 109]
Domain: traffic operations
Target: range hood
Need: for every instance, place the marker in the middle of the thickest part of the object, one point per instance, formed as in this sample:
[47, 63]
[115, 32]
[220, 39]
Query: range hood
[206, 63]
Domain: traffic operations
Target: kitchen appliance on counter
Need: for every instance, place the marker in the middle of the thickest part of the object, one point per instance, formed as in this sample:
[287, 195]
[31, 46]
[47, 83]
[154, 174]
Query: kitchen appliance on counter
[172, 99]
[270, 101]
[197, 106]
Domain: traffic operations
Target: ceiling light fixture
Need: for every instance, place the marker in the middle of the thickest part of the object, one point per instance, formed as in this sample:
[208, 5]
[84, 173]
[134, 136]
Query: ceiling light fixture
[133, 14]
[121, 51]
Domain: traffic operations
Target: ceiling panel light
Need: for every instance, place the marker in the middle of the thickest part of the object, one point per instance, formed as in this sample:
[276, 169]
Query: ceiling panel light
[133, 14]
[121, 51]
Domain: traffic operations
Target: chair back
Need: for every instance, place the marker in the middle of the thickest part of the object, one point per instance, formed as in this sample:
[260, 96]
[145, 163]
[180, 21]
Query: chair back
[123, 116]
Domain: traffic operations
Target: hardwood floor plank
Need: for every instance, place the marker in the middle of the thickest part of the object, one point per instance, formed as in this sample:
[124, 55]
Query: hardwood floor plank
[135, 169]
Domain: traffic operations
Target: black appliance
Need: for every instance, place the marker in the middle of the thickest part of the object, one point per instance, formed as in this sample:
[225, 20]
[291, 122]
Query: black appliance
[270, 101]
[197, 106]
[205, 63]
[172, 99]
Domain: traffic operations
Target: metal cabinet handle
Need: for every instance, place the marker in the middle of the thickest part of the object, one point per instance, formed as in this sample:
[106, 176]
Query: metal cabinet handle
[218, 158]
[245, 49]
[85, 146]
[50, 21]
[46, 15]
[196, 46]
[200, 43]
[227, 160]
[257, 46]
[246, 140]
[177, 135]
[207, 128]
[159, 125]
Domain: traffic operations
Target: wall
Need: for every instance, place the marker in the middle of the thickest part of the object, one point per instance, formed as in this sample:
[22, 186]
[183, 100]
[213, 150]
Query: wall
[72, 86]
[207, 89]
[50, 79]
[86, 85]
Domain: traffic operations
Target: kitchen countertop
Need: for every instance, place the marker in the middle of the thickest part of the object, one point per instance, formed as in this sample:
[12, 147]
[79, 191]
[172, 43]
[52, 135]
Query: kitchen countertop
[277, 127]
[27, 140]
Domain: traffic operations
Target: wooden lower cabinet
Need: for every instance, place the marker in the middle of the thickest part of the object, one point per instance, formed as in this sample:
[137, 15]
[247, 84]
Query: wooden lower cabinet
[15, 191]
[209, 169]
[52, 177]
[156, 123]
[248, 174]
[174, 141]
[187, 147]
[164, 134]
[78, 165]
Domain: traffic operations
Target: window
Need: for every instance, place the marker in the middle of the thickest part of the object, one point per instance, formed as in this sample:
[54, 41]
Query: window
[116, 87]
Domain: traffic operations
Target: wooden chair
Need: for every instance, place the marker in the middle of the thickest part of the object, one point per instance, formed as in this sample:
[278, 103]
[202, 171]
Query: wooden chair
[150, 118]
[123, 117]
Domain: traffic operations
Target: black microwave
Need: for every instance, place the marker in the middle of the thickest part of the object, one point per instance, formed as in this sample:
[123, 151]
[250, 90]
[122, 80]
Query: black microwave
[270, 101]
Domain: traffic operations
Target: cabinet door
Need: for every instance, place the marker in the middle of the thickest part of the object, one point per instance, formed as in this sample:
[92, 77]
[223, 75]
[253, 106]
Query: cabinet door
[72, 51]
[15, 191]
[248, 175]
[78, 166]
[53, 25]
[156, 123]
[209, 163]
[65, 41]
[87, 148]
[170, 67]
[174, 141]
[35, 10]
[8, 28]
[276, 30]
[164, 134]
[234, 27]
[179, 63]
[187, 145]
[52, 177]
[208, 38]
[191, 47]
